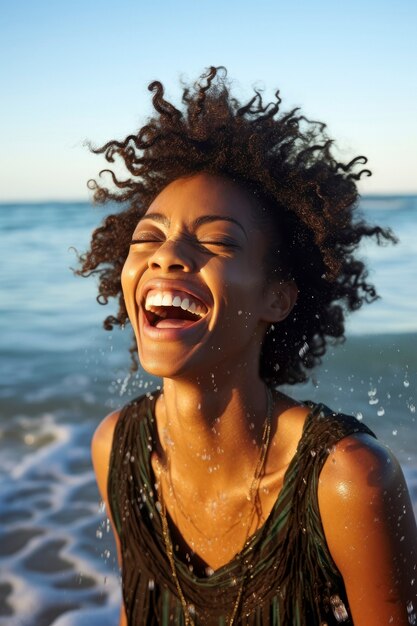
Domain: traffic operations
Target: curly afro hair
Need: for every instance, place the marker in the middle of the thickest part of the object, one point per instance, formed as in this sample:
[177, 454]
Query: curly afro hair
[286, 162]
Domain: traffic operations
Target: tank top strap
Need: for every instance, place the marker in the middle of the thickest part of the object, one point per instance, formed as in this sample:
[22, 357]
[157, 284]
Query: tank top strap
[327, 426]
[129, 459]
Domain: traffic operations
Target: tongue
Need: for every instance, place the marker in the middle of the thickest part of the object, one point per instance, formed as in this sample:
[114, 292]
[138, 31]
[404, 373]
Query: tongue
[173, 323]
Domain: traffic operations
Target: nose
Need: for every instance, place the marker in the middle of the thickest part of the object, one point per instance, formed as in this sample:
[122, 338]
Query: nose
[172, 255]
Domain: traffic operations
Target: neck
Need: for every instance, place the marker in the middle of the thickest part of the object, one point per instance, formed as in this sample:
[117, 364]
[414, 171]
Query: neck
[213, 428]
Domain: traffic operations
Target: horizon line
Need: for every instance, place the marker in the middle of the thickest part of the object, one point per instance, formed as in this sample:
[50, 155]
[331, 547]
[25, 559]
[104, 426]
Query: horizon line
[375, 194]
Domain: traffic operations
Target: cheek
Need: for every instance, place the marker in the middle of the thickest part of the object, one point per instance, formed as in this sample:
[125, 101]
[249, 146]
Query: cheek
[246, 286]
[241, 296]
[129, 280]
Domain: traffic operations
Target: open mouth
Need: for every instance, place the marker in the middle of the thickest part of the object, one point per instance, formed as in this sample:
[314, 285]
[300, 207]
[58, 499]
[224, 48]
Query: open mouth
[173, 309]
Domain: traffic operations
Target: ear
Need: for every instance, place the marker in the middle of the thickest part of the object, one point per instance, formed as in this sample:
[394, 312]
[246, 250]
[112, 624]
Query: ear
[281, 297]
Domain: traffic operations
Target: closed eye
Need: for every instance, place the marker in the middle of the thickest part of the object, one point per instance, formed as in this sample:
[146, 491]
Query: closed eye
[227, 243]
[146, 238]
[150, 238]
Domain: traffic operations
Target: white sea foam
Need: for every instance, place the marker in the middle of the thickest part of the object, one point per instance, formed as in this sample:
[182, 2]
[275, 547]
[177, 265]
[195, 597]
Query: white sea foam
[52, 561]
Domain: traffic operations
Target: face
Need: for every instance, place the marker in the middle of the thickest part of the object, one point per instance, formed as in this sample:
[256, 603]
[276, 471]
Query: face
[194, 281]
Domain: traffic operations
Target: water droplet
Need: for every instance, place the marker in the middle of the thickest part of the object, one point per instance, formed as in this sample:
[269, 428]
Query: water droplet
[410, 606]
[304, 349]
[372, 392]
[373, 401]
[313, 453]
[412, 408]
[151, 584]
[99, 534]
[106, 554]
[406, 383]
[395, 432]
[381, 411]
[338, 608]
[359, 416]
[209, 571]
[239, 312]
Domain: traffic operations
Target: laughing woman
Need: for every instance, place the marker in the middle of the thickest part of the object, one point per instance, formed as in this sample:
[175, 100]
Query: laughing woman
[233, 257]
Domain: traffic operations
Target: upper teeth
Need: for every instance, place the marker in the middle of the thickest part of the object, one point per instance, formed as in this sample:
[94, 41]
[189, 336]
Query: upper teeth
[159, 298]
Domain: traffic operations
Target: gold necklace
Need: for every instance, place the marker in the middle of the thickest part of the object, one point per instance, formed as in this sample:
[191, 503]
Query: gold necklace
[190, 519]
[254, 489]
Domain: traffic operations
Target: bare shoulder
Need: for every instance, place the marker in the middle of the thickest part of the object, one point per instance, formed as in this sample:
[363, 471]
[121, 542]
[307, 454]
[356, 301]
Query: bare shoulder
[369, 525]
[362, 461]
[105, 429]
[101, 446]
[360, 479]
[353, 479]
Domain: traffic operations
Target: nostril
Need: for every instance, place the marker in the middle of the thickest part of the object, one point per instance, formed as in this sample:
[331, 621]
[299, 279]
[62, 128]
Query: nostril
[170, 266]
[176, 266]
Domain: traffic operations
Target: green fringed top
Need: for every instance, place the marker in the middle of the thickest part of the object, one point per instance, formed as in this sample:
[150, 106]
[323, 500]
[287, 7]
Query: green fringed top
[289, 576]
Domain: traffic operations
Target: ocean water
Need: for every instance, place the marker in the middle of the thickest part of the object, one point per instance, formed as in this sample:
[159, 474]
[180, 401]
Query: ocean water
[61, 373]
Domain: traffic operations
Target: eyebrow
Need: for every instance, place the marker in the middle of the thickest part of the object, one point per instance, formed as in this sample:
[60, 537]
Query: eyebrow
[199, 221]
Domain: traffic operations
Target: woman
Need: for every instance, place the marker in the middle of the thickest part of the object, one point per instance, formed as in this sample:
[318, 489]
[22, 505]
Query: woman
[231, 502]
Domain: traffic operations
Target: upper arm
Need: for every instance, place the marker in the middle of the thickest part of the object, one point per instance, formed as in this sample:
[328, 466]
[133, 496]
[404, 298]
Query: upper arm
[370, 530]
[101, 446]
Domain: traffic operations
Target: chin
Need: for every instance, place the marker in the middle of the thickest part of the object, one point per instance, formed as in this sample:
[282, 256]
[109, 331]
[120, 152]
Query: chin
[163, 365]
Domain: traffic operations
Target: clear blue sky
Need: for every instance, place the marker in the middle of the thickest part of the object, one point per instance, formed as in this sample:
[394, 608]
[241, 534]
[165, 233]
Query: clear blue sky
[78, 70]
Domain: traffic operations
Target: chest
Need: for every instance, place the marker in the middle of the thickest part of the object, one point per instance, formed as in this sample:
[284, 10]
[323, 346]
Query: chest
[208, 532]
